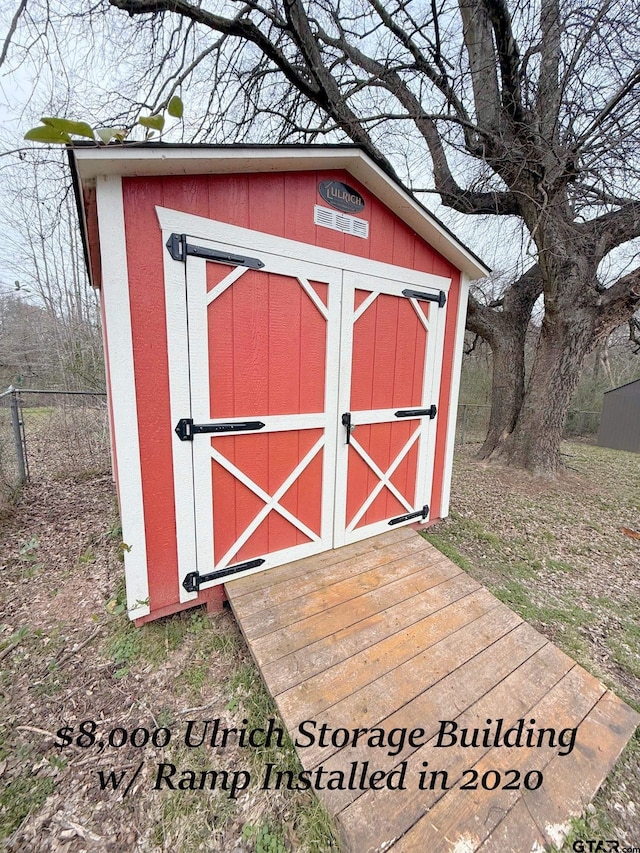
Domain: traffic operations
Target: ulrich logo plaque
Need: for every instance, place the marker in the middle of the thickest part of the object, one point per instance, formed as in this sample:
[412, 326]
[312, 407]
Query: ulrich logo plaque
[341, 196]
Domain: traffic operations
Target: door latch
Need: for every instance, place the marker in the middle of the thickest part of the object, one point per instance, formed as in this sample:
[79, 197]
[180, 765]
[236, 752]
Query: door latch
[346, 423]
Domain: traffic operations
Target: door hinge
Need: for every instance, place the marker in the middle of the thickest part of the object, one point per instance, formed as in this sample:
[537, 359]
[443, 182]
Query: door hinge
[417, 413]
[185, 428]
[193, 581]
[440, 297]
[179, 248]
[421, 513]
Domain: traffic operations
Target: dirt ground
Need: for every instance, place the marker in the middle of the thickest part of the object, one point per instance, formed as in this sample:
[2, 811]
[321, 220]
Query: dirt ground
[554, 552]
[70, 656]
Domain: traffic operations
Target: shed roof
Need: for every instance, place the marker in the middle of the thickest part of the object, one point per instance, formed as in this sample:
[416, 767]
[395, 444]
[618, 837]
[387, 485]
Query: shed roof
[140, 159]
[627, 387]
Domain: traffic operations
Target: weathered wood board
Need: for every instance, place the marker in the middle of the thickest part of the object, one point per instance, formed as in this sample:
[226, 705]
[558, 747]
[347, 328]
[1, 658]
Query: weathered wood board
[390, 637]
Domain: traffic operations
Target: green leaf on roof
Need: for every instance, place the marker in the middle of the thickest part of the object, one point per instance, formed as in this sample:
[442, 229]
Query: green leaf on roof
[175, 107]
[155, 122]
[65, 125]
[47, 134]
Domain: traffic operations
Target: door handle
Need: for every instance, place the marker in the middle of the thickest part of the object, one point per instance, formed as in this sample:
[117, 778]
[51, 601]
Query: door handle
[346, 423]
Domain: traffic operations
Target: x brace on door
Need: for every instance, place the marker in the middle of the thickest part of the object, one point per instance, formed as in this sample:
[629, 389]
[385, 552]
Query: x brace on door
[384, 478]
[271, 501]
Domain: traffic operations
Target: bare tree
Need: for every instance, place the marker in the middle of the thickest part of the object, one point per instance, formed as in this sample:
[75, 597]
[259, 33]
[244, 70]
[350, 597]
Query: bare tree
[535, 104]
[526, 110]
[52, 289]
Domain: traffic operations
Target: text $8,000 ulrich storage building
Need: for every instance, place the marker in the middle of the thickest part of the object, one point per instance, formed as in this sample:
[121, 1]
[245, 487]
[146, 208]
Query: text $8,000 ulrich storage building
[283, 333]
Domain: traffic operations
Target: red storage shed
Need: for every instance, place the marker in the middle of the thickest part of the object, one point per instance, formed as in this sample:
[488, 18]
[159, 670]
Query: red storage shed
[283, 332]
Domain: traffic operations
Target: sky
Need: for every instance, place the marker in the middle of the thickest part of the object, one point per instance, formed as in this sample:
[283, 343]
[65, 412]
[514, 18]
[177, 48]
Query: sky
[93, 75]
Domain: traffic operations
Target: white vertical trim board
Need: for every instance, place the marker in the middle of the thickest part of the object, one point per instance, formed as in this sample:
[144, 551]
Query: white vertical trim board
[424, 474]
[454, 394]
[198, 323]
[333, 278]
[344, 359]
[432, 379]
[117, 309]
[180, 407]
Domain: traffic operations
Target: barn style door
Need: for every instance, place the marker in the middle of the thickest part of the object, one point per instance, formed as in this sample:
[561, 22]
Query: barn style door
[306, 418]
[391, 336]
[263, 342]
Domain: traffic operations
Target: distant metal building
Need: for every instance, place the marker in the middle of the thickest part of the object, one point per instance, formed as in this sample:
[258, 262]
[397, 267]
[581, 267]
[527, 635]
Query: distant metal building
[620, 421]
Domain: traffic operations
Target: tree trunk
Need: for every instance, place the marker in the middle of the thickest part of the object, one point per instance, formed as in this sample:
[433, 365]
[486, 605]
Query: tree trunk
[505, 331]
[534, 442]
[507, 386]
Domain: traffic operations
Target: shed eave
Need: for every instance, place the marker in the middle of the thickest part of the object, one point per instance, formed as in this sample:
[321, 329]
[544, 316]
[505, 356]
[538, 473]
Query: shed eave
[91, 162]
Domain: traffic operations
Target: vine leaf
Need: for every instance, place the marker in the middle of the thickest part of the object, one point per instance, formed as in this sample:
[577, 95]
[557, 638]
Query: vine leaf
[65, 125]
[175, 107]
[106, 134]
[155, 122]
[44, 133]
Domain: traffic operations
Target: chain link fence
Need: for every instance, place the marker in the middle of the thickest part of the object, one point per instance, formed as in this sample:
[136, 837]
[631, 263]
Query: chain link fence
[50, 434]
[473, 423]
[57, 434]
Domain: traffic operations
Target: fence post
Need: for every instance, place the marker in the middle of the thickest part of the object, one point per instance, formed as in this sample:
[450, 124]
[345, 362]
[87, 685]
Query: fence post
[464, 422]
[16, 423]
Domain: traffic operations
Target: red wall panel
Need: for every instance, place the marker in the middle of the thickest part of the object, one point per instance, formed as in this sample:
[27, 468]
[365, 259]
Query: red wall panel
[280, 204]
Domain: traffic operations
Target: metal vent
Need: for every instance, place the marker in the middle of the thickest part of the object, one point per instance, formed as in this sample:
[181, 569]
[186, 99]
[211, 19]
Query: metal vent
[337, 221]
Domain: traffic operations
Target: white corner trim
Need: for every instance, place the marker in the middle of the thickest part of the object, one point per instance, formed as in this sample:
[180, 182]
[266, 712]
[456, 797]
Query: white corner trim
[117, 310]
[454, 395]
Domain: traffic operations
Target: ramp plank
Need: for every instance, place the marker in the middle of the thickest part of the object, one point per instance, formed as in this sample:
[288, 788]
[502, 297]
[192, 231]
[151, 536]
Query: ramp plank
[389, 635]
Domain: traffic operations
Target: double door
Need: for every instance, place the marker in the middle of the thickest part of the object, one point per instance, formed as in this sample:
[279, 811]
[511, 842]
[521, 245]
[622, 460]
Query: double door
[312, 393]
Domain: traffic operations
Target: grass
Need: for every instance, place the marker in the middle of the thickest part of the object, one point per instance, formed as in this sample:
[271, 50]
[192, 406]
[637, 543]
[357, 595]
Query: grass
[264, 838]
[188, 819]
[309, 820]
[626, 648]
[154, 642]
[21, 797]
[445, 547]
[596, 822]
[554, 553]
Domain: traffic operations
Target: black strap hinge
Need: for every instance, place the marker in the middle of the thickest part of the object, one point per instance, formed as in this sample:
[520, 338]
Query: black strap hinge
[193, 581]
[421, 513]
[417, 413]
[186, 429]
[440, 297]
[179, 247]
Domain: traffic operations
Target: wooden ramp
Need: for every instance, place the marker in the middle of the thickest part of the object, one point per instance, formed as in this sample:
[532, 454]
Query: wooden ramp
[388, 634]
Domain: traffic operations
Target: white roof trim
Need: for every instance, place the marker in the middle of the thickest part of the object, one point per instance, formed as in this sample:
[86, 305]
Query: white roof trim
[92, 162]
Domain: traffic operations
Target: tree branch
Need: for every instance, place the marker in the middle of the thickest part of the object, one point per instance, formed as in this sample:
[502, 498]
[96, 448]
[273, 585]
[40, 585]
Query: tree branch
[478, 40]
[548, 99]
[436, 76]
[452, 195]
[618, 303]
[630, 83]
[11, 30]
[614, 228]
[241, 27]
[508, 57]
